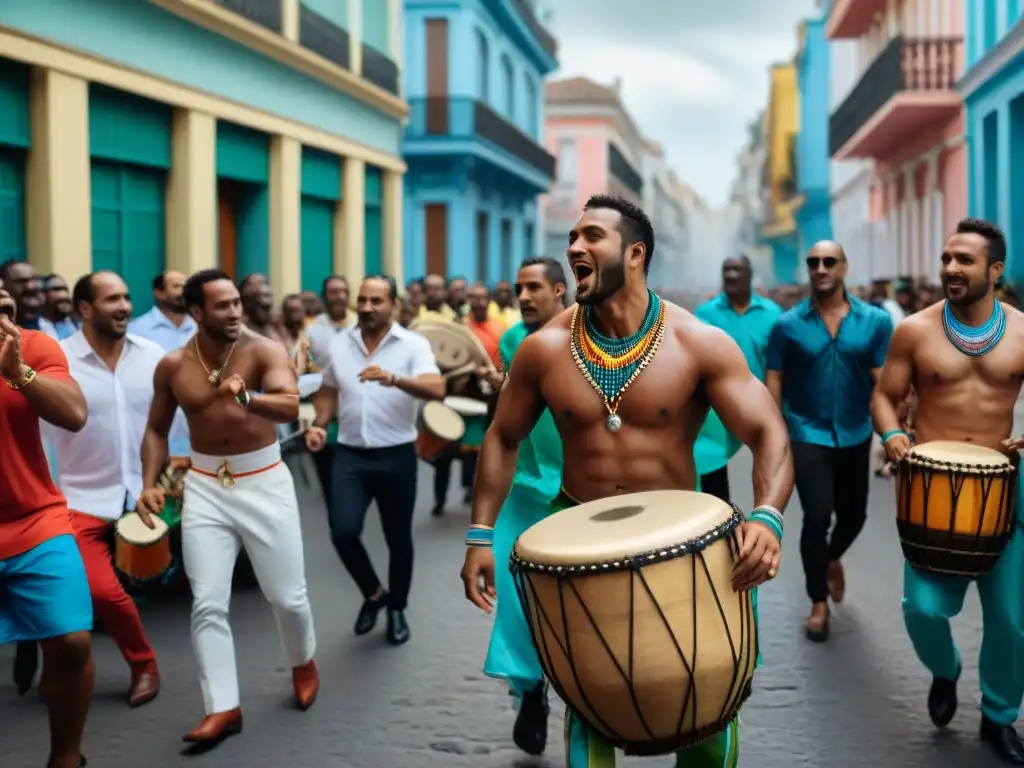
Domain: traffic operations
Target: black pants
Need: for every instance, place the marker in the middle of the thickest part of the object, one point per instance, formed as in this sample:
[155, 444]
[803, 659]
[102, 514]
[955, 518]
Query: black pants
[324, 462]
[716, 484]
[443, 474]
[387, 476]
[830, 480]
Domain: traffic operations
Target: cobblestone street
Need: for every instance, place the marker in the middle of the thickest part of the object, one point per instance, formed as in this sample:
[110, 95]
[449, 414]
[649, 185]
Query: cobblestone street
[857, 701]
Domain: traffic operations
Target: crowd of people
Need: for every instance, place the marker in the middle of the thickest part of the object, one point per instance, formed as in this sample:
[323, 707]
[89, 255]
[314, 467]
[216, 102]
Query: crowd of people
[106, 416]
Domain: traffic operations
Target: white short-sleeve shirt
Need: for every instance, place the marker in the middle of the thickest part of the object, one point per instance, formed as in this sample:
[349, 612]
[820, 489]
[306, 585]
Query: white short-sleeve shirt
[371, 415]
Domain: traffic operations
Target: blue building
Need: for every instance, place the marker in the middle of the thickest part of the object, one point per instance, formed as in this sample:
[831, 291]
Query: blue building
[993, 92]
[474, 143]
[813, 211]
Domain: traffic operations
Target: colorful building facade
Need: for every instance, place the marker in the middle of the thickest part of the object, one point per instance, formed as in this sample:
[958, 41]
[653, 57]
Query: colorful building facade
[813, 207]
[993, 89]
[782, 126]
[259, 136]
[904, 114]
[474, 143]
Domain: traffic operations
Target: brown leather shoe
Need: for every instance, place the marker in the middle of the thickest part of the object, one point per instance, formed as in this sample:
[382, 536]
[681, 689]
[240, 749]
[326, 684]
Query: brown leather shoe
[215, 728]
[145, 688]
[306, 681]
[836, 578]
[816, 628]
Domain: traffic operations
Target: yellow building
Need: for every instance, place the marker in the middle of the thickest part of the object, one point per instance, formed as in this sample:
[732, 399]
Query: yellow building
[782, 122]
[260, 136]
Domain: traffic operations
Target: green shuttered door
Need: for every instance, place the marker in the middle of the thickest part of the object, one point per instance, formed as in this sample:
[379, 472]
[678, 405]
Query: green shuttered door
[374, 223]
[14, 140]
[321, 192]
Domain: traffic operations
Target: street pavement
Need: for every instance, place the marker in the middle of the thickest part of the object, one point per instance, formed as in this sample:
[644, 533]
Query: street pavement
[858, 700]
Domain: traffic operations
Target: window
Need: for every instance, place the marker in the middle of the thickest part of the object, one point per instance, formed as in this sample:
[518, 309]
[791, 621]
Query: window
[567, 167]
[482, 66]
[528, 242]
[532, 124]
[481, 245]
[509, 86]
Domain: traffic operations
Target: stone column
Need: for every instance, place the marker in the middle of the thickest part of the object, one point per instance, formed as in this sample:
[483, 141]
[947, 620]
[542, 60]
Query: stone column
[192, 193]
[285, 205]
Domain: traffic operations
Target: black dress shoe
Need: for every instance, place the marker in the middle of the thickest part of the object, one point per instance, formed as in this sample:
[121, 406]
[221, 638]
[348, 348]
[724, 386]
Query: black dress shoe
[942, 700]
[1004, 741]
[83, 762]
[398, 629]
[26, 662]
[530, 733]
[367, 618]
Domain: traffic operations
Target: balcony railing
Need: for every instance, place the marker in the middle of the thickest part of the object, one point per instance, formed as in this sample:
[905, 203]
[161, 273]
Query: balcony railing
[266, 13]
[323, 36]
[379, 69]
[468, 118]
[547, 40]
[905, 64]
[620, 168]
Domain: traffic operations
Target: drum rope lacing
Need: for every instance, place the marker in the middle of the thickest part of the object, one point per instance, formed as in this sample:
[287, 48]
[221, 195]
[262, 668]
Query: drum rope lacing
[747, 636]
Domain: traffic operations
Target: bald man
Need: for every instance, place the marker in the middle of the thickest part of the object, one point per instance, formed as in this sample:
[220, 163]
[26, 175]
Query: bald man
[824, 357]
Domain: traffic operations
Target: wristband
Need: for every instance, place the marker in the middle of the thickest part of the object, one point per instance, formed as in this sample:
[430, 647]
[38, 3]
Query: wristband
[480, 536]
[27, 376]
[770, 517]
[243, 398]
[891, 434]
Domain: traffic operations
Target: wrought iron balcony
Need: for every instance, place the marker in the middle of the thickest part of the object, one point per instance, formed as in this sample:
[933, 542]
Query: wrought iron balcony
[465, 118]
[547, 40]
[623, 170]
[266, 13]
[323, 36]
[906, 89]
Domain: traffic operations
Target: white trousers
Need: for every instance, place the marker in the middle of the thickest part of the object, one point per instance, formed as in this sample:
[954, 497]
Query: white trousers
[260, 512]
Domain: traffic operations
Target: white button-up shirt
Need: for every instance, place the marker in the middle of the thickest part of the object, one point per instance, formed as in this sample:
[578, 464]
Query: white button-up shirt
[371, 415]
[98, 467]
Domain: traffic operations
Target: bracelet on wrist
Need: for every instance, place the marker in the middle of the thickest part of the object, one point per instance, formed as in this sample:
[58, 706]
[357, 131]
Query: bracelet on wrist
[769, 516]
[480, 536]
[891, 434]
[26, 378]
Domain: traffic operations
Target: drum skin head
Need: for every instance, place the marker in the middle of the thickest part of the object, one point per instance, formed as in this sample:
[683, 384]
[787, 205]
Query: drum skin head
[443, 421]
[131, 528]
[954, 452]
[466, 406]
[453, 344]
[621, 526]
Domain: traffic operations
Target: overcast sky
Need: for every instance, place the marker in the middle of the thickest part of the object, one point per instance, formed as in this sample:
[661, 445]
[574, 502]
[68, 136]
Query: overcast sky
[694, 72]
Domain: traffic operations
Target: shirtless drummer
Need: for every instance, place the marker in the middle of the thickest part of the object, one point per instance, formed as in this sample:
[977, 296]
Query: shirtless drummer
[967, 386]
[238, 492]
[647, 443]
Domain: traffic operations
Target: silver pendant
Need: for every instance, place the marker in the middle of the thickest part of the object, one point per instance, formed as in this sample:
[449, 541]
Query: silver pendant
[613, 422]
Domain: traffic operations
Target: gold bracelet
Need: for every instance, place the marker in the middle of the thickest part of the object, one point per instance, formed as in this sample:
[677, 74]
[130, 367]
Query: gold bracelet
[23, 382]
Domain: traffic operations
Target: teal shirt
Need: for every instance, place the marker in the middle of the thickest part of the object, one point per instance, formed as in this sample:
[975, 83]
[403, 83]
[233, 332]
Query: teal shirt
[751, 331]
[540, 455]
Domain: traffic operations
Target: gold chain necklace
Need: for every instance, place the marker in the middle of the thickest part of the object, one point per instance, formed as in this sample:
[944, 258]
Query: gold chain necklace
[213, 376]
[611, 404]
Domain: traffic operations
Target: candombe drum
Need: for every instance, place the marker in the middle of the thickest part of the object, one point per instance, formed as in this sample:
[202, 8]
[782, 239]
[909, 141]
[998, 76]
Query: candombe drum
[637, 625]
[141, 553]
[955, 507]
[440, 428]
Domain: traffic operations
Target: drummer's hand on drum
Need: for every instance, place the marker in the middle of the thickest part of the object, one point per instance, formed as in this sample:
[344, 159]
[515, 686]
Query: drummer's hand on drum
[1014, 444]
[151, 502]
[316, 438]
[759, 558]
[896, 447]
[478, 577]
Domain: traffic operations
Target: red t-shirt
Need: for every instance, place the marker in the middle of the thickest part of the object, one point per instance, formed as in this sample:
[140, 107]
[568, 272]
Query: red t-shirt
[32, 510]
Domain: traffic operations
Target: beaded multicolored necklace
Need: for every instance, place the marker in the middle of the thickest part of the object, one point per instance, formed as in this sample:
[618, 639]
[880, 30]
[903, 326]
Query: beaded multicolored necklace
[611, 365]
[974, 341]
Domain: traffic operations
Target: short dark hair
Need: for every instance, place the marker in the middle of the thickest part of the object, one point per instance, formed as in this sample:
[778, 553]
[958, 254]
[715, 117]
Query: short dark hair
[194, 293]
[330, 279]
[457, 277]
[158, 282]
[392, 284]
[553, 270]
[634, 226]
[83, 291]
[993, 236]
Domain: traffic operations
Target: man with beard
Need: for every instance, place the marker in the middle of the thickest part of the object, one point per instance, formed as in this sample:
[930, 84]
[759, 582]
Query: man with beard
[435, 306]
[512, 657]
[503, 308]
[258, 308]
[238, 492]
[748, 319]
[57, 306]
[458, 296]
[24, 286]
[378, 375]
[42, 578]
[824, 357]
[967, 385]
[629, 379]
[99, 467]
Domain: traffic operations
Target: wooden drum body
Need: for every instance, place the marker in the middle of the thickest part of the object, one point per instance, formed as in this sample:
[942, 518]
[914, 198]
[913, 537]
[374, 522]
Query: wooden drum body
[632, 610]
[140, 553]
[441, 428]
[955, 507]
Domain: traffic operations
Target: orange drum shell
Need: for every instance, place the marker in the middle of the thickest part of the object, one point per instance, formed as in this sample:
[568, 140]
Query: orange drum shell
[723, 655]
[970, 517]
[143, 563]
[429, 446]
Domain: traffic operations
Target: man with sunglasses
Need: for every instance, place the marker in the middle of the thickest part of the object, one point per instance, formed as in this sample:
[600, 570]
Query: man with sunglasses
[824, 357]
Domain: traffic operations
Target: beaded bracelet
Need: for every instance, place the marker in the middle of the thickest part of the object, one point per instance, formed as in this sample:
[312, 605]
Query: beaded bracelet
[770, 517]
[480, 536]
[891, 434]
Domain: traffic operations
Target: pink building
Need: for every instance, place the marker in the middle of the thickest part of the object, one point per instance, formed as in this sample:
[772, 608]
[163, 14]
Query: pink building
[904, 116]
[597, 148]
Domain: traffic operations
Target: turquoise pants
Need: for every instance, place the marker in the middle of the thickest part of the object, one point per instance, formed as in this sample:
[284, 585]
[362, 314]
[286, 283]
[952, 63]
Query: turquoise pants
[931, 600]
[586, 749]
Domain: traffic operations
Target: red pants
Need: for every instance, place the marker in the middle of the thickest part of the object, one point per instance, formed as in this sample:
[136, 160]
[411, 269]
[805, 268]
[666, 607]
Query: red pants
[115, 609]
